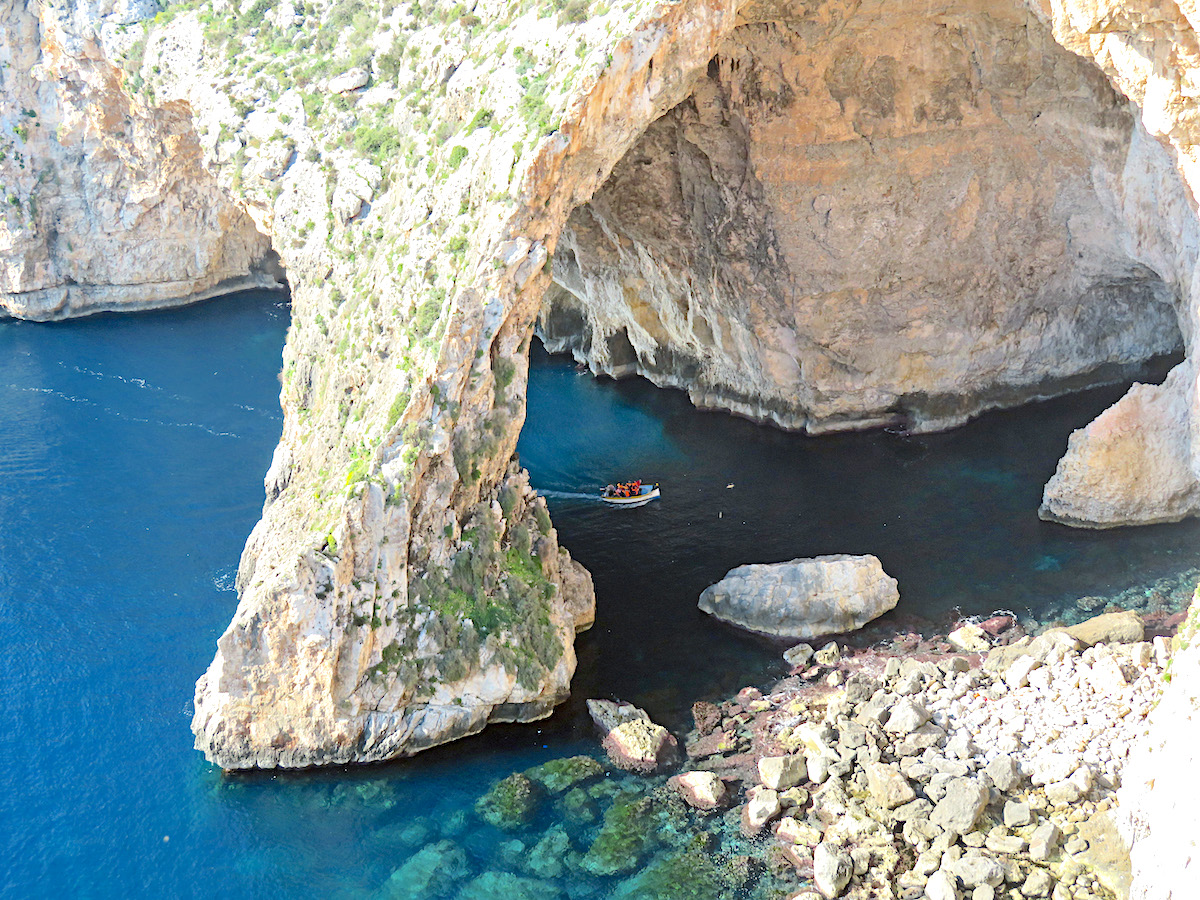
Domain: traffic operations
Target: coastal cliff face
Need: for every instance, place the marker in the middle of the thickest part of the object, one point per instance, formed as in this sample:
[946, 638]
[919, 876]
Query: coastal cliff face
[1138, 463]
[107, 202]
[424, 174]
[872, 216]
[404, 587]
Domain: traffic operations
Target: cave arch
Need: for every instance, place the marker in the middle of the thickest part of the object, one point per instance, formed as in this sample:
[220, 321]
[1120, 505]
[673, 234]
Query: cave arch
[891, 218]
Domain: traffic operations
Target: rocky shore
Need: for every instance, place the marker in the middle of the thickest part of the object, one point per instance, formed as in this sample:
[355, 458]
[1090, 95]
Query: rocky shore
[943, 775]
[863, 773]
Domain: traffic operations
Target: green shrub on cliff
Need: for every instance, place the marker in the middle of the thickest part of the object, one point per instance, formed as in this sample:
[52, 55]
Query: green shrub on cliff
[377, 142]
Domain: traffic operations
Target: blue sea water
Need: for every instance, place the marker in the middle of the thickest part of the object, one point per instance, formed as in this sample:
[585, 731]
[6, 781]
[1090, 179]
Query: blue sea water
[132, 451]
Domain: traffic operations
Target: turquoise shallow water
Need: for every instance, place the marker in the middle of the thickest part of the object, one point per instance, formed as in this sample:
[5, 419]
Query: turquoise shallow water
[132, 453]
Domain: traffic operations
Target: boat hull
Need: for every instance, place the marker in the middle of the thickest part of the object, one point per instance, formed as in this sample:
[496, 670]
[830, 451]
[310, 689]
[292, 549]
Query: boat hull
[630, 502]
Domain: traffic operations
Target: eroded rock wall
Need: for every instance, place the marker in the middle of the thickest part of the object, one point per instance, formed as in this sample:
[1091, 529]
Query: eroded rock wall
[871, 214]
[404, 587]
[107, 202]
[1139, 463]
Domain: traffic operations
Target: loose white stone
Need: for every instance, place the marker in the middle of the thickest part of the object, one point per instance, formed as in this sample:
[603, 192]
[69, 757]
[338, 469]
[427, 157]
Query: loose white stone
[977, 870]
[1016, 814]
[1043, 840]
[832, 868]
[941, 886]
[782, 772]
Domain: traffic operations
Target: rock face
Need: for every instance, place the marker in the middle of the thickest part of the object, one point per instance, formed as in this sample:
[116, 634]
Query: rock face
[804, 598]
[108, 201]
[1158, 799]
[840, 230]
[1137, 463]
[1131, 466]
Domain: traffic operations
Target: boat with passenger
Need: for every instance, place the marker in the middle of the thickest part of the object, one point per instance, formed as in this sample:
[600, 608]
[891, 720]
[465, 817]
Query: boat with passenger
[629, 493]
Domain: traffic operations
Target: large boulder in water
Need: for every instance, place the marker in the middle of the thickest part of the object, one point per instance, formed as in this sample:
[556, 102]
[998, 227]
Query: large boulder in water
[804, 598]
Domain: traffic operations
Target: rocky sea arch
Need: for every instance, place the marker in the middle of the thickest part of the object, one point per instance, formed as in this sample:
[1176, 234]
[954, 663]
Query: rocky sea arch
[404, 586]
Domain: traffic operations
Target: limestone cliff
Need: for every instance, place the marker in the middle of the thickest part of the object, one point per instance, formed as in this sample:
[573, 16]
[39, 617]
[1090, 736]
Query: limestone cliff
[877, 215]
[423, 171]
[107, 203]
[1139, 463]
[404, 587]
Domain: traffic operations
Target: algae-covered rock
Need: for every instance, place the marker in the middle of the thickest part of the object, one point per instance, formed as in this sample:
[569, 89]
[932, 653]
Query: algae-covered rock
[688, 875]
[506, 886]
[578, 807]
[629, 833]
[433, 871]
[560, 775]
[512, 803]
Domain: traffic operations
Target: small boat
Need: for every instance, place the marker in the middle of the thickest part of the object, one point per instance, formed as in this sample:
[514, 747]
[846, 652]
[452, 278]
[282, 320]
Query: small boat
[646, 493]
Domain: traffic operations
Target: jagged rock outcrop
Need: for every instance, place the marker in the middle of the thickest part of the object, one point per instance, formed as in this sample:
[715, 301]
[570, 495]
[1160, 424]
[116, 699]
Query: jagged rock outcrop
[1130, 466]
[887, 215]
[1138, 463]
[107, 202]
[420, 593]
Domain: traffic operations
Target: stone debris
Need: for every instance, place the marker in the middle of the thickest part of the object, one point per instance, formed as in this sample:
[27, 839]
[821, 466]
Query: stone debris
[351, 80]
[951, 778]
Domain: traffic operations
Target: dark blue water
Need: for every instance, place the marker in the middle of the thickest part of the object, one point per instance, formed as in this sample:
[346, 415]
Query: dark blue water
[953, 517]
[132, 451]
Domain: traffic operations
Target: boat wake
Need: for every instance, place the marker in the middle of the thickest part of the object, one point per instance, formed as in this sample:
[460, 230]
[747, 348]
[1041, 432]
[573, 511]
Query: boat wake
[567, 495]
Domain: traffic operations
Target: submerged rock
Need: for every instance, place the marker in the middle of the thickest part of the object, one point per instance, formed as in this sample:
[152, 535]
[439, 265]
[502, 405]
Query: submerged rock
[560, 775]
[432, 871]
[511, 804]
[689, 875]
[628, 834]
[804, 598]
[494, 885]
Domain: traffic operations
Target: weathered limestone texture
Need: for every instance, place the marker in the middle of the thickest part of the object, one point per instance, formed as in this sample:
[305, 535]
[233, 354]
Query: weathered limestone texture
[804, 598]
[1159, 813]
[108, 204]
[871, 214]
[1139, 462]
[405, 587]
[1131, 465]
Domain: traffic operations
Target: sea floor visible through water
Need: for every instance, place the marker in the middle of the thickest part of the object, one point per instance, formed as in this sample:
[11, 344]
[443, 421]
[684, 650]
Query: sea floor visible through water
[133, 450]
